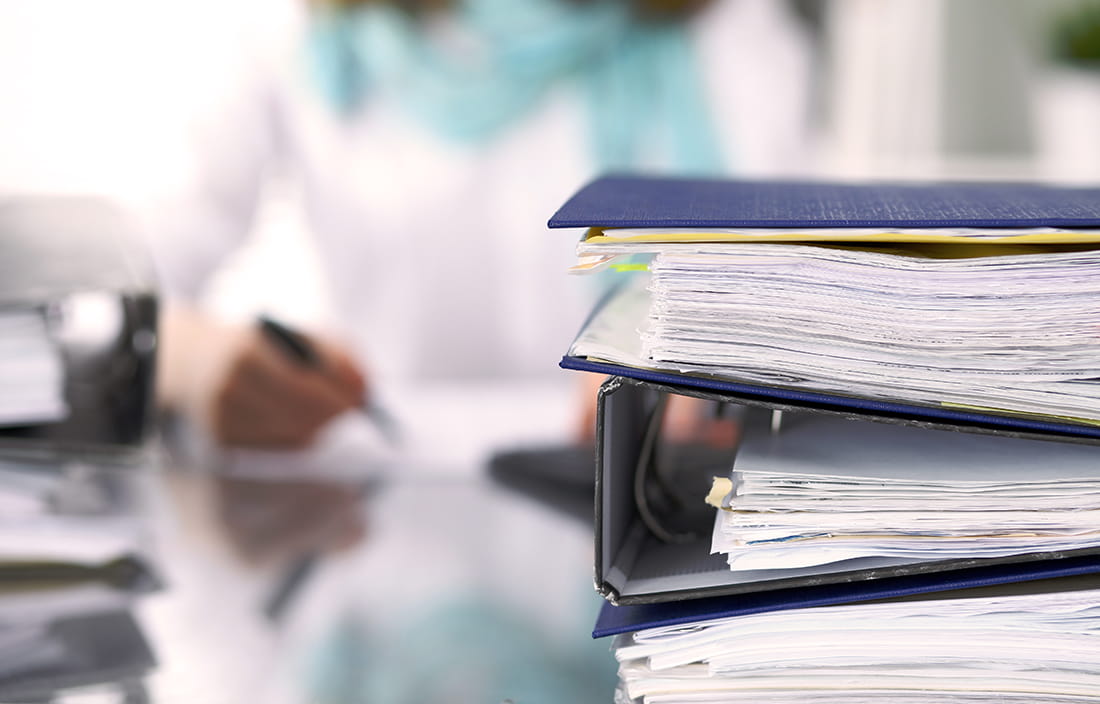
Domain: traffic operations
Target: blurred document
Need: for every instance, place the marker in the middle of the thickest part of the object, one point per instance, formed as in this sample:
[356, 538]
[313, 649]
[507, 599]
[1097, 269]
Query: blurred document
[824, 489]
[350, 448]
[31, 370]
[24, 492]
[67, 540]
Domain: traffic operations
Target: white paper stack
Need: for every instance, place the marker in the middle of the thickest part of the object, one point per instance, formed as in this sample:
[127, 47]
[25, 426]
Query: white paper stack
[31, 370]
[984, 326]
[1018, 649]
[823, 489]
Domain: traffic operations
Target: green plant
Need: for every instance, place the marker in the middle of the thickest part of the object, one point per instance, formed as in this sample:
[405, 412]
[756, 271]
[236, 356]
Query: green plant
[1075, 35]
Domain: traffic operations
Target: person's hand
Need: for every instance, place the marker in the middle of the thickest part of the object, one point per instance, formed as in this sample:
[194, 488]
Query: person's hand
[587, 390]
[687, 420]
[246, 390]
[266, 399]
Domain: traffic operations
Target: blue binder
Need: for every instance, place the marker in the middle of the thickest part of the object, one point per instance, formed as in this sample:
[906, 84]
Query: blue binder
[613, 620]
[890, 411]
[621, 201]
[642, 201]
[633, 567]
[639, 201]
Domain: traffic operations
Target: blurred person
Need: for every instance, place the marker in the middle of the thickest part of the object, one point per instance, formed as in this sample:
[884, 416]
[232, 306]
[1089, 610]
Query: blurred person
[430, 141]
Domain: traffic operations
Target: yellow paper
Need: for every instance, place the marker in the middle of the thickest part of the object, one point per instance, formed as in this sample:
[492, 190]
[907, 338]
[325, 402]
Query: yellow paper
[597, 236]
[719, 489]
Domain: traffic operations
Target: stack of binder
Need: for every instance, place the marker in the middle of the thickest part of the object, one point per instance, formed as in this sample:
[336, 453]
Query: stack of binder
[919, 372]
[78, 312]
[77, 347]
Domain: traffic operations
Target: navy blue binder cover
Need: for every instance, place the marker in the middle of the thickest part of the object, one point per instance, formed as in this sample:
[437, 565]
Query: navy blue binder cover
[640, 201]
[613, 620]
[811, 400]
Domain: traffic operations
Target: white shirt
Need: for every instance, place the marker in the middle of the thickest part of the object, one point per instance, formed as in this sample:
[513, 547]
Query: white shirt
[437, 253]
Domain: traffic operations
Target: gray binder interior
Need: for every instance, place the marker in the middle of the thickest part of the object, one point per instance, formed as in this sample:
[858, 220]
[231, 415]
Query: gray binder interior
[632, 566]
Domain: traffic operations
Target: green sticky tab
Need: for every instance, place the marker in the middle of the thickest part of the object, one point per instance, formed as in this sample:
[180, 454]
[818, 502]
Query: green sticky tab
[630, 267]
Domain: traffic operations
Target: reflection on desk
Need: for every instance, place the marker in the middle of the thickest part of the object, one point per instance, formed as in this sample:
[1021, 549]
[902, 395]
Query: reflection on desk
[102, 649]
[458, 590]
[275, 522]
[489, 601]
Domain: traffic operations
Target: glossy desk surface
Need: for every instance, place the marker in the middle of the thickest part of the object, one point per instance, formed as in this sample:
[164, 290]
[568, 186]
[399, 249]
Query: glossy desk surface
[435, 583]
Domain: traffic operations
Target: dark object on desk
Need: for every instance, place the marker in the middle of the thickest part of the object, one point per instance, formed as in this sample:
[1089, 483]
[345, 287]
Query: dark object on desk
[560, 477]
[564, 479]
[128, 573]
[78, 651]
[70, 258]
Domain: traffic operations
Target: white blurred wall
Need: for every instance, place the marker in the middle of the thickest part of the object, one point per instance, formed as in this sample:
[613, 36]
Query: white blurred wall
[95, 95]
[101, 96]
[933, 89]
[87, 94]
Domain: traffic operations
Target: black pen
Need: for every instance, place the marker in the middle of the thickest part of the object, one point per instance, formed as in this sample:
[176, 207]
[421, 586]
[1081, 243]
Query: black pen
[288, 585]
[296, 347]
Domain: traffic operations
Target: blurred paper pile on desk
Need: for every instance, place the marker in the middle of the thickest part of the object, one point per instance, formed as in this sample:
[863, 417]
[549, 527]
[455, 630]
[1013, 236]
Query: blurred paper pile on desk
[78, 324]
[31, 370]
[77, 342]
[74, 557]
